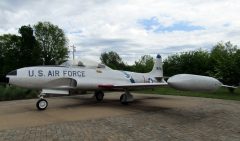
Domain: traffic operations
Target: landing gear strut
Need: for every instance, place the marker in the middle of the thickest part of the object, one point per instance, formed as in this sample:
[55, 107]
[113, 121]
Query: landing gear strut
[41, 103]
[126, 97]
[99, 95]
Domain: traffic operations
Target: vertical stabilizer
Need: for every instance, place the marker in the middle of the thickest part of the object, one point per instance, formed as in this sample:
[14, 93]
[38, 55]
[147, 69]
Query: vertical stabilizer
[157, 70]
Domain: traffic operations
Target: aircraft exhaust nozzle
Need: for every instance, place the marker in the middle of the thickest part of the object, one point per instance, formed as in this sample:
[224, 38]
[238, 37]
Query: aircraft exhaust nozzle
[191, 82]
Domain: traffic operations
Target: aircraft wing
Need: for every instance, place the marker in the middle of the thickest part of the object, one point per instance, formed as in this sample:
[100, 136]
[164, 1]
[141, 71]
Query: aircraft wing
[132, 85]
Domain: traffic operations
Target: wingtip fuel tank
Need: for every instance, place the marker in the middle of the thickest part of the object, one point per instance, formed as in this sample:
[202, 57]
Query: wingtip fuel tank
[191, 82]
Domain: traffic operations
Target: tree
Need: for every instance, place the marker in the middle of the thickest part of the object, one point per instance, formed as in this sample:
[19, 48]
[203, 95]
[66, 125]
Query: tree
[225, 61]
[143, 65]
[2, 54]
[171, 65]
[112, 60]
[29, 54]
[9, 53]
[52, 41]
[192, 62]
[21, 51]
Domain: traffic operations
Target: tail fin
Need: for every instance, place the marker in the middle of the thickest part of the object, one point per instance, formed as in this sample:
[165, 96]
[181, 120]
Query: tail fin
[157, 70]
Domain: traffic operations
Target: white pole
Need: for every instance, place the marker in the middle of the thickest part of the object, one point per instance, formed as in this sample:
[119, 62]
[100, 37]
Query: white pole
[73, 51]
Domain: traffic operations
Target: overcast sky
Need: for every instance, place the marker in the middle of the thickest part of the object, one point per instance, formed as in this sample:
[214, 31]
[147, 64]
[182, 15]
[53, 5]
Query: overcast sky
[130, 27]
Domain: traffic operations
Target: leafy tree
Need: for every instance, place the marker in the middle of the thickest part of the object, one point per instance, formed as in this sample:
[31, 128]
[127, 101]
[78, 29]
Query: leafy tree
[171, 65]
[2, 54]
[195, 62]
[52, 41]
[192, 62]
[18, 51]
[143, 65]
[225, 61]
[112, 60]
[30, 51]
[9, 56]
[21, 51]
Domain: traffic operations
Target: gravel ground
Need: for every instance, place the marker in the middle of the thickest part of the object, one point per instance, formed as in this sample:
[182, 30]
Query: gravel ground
[150, 117]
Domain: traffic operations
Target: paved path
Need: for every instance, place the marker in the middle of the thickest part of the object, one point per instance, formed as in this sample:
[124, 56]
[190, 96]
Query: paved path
[149, 117]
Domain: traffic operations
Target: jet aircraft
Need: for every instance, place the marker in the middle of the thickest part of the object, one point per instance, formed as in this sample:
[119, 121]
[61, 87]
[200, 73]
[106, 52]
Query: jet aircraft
[72, 75]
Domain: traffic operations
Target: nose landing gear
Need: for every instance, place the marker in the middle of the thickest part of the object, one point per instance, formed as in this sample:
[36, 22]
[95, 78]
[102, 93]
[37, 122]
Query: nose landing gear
[41, 103]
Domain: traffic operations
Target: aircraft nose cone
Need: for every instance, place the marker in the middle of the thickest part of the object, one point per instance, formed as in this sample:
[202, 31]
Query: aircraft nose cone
[10, 77]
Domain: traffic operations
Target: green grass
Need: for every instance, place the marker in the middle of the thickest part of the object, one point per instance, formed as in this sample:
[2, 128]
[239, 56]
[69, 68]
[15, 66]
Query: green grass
[14, 93]
[222, 93]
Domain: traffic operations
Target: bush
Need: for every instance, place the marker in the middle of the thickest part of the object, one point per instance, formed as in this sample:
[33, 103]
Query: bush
[14, 93]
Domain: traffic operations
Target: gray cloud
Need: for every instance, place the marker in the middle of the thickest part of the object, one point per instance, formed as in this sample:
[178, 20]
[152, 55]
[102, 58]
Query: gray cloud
[105, 42]
[95, 26]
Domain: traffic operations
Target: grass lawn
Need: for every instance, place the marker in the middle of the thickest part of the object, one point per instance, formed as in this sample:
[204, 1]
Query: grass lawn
[14, 93]
[222, 93]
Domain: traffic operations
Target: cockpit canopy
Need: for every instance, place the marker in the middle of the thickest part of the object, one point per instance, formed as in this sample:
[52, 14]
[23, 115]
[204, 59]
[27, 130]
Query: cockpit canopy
[84, 63]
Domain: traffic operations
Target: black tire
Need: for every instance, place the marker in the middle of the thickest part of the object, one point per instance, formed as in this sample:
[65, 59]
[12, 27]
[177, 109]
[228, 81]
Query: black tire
[42, 104]
[99, 96]
[123, 99]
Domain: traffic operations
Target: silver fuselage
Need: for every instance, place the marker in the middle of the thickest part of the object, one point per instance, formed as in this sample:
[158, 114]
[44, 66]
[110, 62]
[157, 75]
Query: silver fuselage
[58, 77]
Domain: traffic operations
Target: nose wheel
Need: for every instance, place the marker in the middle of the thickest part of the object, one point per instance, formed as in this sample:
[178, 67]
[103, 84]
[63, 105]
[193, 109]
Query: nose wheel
[41, 103]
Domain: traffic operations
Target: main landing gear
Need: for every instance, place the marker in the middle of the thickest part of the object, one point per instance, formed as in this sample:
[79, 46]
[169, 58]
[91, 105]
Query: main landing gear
[126, 97]
[99, 95]
[41, 103]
